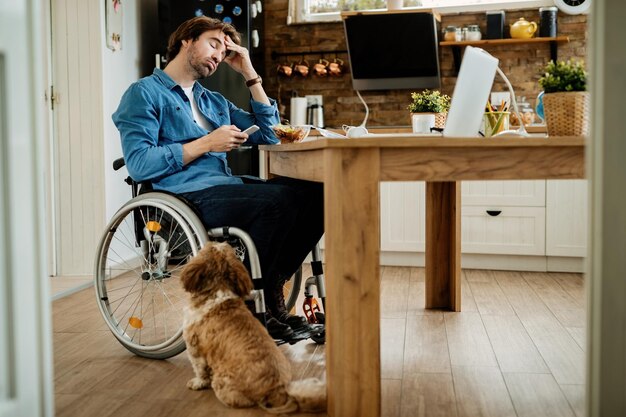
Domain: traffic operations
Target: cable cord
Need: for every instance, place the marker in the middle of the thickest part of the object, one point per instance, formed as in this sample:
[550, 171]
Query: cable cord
[360, 130]
[367, 110]
[522, 130]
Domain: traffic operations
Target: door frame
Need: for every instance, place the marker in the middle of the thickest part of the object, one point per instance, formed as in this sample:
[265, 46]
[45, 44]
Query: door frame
[48, 131]
[26, 382]
[606, 286]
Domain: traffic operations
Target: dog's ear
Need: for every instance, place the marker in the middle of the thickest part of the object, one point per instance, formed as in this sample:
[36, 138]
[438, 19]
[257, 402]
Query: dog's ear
[238, 275]
[196, 275]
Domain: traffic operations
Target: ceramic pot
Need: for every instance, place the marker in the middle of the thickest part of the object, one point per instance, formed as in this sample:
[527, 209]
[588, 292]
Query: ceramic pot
[422, 122]
[523, 29]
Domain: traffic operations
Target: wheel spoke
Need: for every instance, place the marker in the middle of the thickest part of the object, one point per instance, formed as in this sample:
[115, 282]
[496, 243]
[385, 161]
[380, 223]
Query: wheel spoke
[139, 292]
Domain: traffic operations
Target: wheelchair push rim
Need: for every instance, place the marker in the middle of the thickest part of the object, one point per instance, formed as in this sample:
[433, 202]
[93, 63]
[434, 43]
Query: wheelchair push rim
[137, 284]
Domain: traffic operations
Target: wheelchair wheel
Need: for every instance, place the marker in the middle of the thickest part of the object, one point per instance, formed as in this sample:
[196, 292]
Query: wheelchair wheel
[137, 273]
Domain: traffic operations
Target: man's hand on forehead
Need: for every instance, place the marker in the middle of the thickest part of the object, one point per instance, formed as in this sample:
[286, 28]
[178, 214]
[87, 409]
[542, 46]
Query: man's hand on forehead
[232, 48]
[228, 41]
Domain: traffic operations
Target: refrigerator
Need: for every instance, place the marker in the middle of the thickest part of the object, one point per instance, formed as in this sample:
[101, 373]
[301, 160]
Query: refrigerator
[247, 17]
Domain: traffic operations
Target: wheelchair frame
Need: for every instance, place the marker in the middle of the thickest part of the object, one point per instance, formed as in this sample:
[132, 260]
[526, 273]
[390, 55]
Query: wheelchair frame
[121, 285]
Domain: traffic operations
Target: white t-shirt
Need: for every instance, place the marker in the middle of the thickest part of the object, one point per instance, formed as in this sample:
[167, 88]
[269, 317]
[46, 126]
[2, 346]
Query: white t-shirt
[198, 117]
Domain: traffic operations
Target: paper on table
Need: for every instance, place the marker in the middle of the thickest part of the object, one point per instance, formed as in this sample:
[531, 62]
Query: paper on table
[330, 134]
[402, 135]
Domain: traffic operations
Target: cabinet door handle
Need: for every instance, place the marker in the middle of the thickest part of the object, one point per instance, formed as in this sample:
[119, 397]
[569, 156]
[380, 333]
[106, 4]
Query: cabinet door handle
[494, 213]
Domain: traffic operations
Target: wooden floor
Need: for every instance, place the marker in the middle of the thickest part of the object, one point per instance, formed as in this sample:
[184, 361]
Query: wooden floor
[517, 349]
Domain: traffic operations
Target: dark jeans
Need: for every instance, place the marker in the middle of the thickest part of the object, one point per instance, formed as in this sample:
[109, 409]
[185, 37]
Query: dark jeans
[284, 217]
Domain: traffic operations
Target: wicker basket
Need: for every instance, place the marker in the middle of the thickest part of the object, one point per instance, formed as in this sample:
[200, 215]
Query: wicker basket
[567, 114]
[440, 119]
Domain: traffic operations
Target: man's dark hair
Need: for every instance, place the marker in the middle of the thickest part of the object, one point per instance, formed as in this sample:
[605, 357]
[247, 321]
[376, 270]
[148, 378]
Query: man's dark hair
[193, 28]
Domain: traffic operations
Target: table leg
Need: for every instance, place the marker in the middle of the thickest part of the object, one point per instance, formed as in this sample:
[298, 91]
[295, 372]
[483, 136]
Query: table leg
[443, 245]
[352, 250]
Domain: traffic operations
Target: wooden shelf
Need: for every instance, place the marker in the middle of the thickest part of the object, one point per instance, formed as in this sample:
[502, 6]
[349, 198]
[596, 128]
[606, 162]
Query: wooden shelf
[456, 46]
[507, 41]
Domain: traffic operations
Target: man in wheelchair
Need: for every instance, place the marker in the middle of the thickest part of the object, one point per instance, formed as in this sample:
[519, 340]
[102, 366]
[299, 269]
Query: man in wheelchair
[175, 134]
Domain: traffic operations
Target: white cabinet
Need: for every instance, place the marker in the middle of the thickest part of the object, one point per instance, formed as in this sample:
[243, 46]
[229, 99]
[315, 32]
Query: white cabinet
[504, 193]
[503, 230]
[566, 218]
[402, 216]
[510, 222]
[503, 217]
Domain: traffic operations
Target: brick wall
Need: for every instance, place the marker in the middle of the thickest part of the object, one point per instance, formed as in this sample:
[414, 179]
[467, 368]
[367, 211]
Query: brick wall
[522, 64]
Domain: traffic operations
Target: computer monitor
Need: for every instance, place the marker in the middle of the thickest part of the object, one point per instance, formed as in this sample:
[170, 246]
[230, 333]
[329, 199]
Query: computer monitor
[389, 51]
[471, 92]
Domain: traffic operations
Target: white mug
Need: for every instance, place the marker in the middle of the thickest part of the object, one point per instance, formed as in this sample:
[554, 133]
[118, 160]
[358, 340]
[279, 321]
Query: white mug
[422, 122]
[356, 131]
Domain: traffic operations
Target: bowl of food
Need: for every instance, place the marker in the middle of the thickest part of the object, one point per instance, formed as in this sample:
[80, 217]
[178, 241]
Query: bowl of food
[291, 134]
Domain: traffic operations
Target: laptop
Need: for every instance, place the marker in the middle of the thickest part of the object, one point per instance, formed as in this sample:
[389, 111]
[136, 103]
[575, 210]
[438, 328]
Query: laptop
[471, 92]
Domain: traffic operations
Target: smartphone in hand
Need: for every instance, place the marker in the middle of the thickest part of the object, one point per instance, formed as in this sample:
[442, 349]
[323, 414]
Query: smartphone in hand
[251, 130]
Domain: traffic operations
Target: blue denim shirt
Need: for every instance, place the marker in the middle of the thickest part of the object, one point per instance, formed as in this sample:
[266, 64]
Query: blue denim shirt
[155, 119]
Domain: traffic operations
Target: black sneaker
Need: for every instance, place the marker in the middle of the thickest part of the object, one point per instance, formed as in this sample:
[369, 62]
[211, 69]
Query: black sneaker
[279, 310]
[293, 321]
[278, 330]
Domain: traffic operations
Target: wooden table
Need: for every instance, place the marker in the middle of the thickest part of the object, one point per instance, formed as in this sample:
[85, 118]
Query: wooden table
[351, 170]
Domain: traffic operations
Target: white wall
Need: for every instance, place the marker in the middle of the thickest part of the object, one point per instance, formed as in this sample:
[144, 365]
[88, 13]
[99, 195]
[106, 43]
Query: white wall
[120, 69]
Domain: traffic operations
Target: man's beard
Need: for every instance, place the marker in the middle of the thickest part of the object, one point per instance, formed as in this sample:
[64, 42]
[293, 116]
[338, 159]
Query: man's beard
[200, 68]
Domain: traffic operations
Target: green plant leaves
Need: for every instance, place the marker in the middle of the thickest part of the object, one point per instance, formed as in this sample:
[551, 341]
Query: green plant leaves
[564, 76]
[429, 102]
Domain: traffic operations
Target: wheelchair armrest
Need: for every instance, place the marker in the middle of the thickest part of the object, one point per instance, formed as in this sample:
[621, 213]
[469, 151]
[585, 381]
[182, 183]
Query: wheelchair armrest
[118, 163]
[137, 187]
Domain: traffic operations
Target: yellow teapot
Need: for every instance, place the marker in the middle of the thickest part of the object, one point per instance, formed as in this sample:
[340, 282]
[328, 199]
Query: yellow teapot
[522, 29]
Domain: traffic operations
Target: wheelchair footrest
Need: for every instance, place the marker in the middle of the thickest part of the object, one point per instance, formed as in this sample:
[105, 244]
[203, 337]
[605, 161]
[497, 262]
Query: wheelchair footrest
[315, 332]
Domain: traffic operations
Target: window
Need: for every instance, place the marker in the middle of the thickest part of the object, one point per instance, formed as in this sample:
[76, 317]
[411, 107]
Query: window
[310, 11]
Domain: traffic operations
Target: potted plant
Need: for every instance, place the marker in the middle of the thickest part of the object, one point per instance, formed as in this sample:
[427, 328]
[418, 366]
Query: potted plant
[565, 99]
[428, 108]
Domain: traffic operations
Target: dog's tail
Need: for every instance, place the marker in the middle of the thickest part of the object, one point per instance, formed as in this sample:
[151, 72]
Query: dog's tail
[310, 394]
[279, 402]
[307, 395]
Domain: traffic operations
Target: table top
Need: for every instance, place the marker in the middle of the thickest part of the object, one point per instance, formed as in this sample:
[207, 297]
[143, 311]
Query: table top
[428, 142]
[437, 158]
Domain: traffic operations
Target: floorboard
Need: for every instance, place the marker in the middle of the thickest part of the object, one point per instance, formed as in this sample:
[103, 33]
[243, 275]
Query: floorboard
[516, 350]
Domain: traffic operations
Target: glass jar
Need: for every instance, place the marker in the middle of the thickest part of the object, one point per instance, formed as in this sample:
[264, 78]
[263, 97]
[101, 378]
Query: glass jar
[473, 33]
[528, 116]
[458, 35]
[449, 33]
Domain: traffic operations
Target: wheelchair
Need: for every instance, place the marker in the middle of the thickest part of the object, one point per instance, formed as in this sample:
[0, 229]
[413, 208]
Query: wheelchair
[137, 272]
